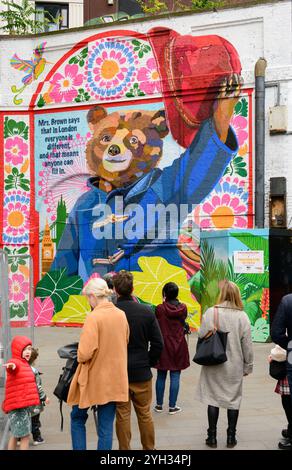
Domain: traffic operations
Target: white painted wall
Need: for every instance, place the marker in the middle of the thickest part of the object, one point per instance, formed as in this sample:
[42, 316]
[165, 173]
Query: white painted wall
[264, 30]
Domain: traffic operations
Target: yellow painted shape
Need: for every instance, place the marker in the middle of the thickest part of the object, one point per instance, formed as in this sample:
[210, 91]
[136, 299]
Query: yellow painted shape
[73, 311]
[156, 272]
[25, 166]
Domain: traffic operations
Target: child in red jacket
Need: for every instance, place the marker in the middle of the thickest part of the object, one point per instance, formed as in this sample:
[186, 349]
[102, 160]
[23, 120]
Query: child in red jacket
[21, 392]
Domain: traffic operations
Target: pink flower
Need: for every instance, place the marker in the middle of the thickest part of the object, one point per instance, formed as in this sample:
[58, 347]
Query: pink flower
[16, 149]
[18, 287]
[64, 86]
[149, 77]
[226, 207]
[239, 123]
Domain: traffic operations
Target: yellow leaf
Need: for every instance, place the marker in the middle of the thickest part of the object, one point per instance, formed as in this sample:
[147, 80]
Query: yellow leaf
[24, 167]
[156, 272]
[73, 311]
[242, 151]
[24, 270]
[8, 168]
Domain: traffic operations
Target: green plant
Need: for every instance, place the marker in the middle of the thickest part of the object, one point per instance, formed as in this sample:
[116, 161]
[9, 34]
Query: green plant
[22, 19]
[156, 6]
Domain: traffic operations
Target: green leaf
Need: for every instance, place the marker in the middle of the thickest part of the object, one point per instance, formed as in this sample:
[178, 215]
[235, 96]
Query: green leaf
[255, 296]
[19, 310]
[41, 102]
[15, 171]
[58, 286]
[140, 54]
[195, 285]
[22, 250]
[136, 43]
[241, 107]
[12, 128]
[260, 332]
[241, 172]
[14, 268]
[252, 310]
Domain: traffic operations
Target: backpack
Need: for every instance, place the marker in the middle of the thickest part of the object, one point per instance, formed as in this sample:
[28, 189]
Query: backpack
[61, 391]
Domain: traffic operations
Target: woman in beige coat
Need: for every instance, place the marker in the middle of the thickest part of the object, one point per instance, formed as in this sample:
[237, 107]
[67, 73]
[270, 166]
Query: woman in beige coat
[221, 385]
[101, 377]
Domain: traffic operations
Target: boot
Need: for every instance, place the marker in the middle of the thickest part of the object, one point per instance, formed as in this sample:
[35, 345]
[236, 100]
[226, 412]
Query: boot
[231, 439]
[213, 413]
[211, 440]
[232, 416]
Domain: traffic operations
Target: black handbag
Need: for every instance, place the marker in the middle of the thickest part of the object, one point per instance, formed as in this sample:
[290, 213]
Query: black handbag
[211, 350]
[278, 370]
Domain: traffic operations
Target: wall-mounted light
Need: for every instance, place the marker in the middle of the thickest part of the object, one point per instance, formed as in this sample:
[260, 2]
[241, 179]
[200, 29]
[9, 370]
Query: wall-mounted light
[110, 2]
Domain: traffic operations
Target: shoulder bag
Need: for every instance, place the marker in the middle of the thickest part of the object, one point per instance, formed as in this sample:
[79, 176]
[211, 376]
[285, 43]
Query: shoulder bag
[211, 349]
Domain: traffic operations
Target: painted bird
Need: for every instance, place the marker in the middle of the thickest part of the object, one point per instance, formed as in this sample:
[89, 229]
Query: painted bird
[34, 67]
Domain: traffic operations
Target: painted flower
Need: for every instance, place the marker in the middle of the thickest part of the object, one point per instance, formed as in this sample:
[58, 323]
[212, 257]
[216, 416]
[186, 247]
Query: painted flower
[18, 288]
[149, 77]
[226, 207]
[239, 123]
[16, 217]
[15, 150]
[111, 68]
[65, 86]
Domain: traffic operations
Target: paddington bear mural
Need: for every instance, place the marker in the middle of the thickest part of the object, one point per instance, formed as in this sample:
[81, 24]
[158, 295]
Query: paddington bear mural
[140, 140]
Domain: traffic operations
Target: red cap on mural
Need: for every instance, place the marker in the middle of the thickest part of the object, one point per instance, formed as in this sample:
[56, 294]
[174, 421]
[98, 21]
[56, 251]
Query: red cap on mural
[192, 70]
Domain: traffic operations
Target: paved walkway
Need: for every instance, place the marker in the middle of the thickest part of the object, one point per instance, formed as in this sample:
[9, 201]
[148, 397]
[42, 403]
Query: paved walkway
[260, 421]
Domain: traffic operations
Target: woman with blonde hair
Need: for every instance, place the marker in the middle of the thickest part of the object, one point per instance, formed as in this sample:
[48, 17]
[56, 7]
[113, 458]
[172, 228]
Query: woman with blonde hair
[101, 377]
[220, 386]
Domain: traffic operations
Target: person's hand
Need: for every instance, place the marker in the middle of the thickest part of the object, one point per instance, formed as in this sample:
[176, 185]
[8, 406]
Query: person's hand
[10, 365]
[270, 359]
[47, 401]
[224, 106]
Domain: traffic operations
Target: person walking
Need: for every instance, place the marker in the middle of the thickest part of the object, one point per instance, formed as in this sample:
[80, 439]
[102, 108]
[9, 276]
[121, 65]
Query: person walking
[220, 386]
[21, 393]
[101, 377]
[144, 348]
[171, 315]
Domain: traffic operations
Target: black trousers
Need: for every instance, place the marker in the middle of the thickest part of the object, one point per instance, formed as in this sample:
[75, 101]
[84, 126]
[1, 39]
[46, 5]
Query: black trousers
[287, 405]
[35, 426]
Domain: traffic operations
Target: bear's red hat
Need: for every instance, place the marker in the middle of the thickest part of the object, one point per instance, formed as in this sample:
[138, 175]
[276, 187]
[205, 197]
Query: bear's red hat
[192, 70]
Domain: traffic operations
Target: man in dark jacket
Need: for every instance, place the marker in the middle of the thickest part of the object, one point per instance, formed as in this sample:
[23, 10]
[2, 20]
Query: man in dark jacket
[144, 349]
[281, 333]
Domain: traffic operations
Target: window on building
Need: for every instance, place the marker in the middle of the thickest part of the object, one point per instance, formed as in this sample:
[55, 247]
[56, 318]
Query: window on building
[131, 7]
[56, 13]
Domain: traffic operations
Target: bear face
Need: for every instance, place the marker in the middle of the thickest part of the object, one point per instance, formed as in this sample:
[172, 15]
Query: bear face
[124, 146]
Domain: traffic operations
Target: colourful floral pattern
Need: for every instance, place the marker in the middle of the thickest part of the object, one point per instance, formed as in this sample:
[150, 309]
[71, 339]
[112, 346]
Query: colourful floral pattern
[226, 207]
[239, 124]
[18, 288]
[149, 77]
[16, 217]
[64, 86]
[111, 69]
[16, 149]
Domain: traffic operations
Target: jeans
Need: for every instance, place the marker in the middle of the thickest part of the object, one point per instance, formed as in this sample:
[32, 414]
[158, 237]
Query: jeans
[105, 420]
[173, 388]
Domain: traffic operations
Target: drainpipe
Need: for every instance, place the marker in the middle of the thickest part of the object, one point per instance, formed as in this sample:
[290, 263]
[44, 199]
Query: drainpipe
[260, 69]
